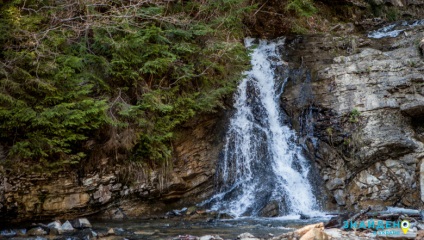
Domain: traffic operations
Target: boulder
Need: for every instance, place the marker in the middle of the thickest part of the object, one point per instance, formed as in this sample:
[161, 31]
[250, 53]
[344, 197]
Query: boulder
[56, 224]
[210, 237]
[7, 233]
[111, 231]
[246, 236]
[315, 234]
[87, 234]
[55, 228]
[38, 231]
[81, 223]
[272, 209]
[21, 232]
[67, 227]
[302, 231]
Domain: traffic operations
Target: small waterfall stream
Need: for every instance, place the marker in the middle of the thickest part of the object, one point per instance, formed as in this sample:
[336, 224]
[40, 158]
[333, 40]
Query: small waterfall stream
[262, 162]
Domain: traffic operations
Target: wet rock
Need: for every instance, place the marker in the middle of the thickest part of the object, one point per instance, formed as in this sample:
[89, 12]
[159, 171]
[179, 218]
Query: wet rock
[55, 228]
[21, 232]
[225, 216]
[210, 237]
[272, 209]
[305, 216]
[191, 210]
[177, 212]
[147, 233]
[81, 223]
[38, 231]
[120, 231]
[7, 233]
[87, 234]
[185, 237]
[246, 236]
[111, 231]
[67, 227]
[337, 221]
[56, 224]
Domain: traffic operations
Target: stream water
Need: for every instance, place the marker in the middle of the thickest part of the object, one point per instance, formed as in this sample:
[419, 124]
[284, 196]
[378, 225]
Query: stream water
[226, 229]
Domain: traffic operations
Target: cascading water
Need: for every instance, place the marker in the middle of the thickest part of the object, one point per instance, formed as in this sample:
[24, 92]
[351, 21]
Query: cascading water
[261, 161]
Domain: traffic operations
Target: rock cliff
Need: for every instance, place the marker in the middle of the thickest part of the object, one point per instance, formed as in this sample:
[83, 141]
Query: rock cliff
[121, 191]
[364, 100]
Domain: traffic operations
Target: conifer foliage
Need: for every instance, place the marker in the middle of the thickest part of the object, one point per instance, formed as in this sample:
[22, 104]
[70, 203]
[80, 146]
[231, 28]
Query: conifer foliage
[90, 79]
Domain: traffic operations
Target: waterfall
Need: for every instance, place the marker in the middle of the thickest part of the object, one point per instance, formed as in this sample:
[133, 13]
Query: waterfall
[261, 161]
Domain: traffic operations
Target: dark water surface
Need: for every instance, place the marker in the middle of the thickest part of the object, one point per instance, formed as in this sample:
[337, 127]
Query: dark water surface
[227, 229]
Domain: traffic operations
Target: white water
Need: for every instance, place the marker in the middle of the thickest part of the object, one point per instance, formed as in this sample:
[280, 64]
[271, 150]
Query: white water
[262, 162]
[394, 30]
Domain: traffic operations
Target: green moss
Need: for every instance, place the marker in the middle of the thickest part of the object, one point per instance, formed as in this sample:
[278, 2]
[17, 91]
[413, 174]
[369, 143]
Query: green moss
[303, 8]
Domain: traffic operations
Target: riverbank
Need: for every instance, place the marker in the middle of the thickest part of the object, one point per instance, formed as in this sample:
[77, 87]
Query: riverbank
[364, 225]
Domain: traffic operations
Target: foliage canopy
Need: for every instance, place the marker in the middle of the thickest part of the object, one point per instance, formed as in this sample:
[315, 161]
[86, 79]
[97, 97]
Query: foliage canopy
[93, 79]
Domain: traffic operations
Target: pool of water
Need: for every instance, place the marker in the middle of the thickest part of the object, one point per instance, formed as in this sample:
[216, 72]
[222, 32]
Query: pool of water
[227, 229]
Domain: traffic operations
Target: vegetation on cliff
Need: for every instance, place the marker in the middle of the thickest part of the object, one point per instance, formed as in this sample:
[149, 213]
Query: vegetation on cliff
[105, 79]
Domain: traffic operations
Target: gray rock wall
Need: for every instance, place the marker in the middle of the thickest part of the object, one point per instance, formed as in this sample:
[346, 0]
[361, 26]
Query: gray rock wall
[368, 115]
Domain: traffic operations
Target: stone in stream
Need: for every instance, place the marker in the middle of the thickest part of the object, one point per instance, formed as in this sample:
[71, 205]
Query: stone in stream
[7, 233]
[87, 233]
[55, 228]
[191, 210]
[246, 236]
[67, 227]
[81, 223]
[210, 237]
[315, 234]
[21, 232]
[302, 231]
[337, 221]
[55, 224]
[185, 237]
[272, 209]
[111, 231]
[38, 231]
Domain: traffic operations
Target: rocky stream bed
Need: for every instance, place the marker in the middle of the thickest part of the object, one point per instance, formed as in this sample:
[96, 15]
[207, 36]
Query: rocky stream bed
[202, 225]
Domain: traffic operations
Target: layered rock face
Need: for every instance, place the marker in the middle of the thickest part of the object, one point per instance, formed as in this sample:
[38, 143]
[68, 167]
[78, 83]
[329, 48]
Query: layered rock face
[123, 191]
[364, 99]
